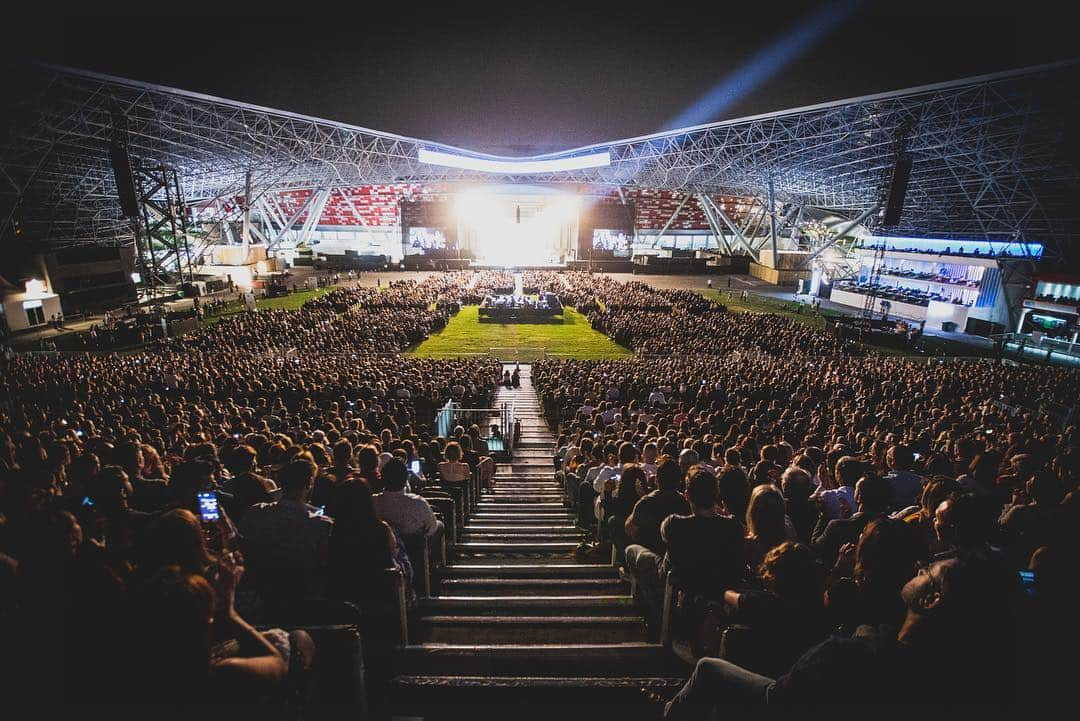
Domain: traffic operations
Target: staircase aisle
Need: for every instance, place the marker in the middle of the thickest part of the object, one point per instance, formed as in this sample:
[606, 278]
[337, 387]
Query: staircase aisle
[520, 629]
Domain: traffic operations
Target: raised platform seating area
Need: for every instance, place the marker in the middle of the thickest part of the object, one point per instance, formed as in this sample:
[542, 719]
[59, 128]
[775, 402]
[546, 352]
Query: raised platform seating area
[912, 296]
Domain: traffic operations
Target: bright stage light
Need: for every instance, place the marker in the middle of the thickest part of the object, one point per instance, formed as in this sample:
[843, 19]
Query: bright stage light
[500, 236]
[241, 276]
[514, 167]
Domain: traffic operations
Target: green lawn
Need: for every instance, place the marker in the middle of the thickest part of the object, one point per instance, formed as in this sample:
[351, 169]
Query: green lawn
[787, 309]
[293, 301]
[465, 335]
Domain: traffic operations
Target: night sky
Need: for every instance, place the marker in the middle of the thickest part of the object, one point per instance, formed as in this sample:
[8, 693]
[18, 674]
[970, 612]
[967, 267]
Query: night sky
[516, 81]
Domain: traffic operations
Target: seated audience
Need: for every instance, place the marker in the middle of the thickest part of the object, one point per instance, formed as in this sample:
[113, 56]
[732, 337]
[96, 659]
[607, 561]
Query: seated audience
[286, 542]
[407, 513]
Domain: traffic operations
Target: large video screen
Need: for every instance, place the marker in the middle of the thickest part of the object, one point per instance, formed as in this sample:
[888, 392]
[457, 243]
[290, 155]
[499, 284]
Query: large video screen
[615, 241]
[426, 240]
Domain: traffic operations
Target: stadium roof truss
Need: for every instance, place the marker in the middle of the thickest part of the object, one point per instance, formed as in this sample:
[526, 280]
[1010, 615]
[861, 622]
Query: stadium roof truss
[992, 158]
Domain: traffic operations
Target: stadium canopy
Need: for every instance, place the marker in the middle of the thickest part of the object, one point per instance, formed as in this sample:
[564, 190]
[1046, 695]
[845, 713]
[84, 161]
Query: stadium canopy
[992, 156]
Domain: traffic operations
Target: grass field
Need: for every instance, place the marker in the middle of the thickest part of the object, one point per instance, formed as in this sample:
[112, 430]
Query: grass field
[293, 301]
[465, 334]
[787, 309]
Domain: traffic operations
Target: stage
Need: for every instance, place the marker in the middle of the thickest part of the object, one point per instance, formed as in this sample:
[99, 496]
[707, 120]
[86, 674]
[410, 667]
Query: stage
[545, 308]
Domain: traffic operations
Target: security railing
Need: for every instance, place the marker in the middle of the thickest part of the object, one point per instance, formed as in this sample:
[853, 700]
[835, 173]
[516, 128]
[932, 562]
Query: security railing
[496, 424]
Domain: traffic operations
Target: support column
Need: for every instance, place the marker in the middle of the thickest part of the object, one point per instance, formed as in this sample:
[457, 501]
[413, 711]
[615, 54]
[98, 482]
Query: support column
[772, 222]
[1023, 317]
[245, 228]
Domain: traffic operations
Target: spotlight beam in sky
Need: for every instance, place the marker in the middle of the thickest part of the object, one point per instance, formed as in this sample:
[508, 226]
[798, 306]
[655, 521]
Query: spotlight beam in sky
[766, 63]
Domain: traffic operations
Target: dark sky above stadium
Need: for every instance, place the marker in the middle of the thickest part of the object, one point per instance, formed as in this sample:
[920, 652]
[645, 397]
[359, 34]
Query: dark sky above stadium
[513, 81]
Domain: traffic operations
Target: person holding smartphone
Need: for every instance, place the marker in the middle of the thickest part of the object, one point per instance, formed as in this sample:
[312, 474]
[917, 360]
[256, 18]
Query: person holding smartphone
[206, 644]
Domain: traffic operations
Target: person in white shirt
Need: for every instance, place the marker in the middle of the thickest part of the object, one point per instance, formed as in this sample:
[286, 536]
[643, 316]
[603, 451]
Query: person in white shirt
[407, 513]
[648, 460]
[656, 398]
[837, 496]
[627, 454]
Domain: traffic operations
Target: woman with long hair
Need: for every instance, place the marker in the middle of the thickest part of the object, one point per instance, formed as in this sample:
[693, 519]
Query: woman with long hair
[766, 523]
[361, 547]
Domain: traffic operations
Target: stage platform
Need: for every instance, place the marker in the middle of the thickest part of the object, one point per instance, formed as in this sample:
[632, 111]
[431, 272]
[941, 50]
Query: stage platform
[546, 308]
[516, 268]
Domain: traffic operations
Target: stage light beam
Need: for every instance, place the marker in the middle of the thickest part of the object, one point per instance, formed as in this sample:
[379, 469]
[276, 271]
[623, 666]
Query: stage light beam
[765, 64]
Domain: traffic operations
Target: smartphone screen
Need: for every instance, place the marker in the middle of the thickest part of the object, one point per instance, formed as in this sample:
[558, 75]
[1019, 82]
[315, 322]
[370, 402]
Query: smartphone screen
[415, 467]
[1027, 581]
[208, 507]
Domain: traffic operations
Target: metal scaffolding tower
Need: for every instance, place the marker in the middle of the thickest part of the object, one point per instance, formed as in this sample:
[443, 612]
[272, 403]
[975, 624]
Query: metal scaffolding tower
[161, 232]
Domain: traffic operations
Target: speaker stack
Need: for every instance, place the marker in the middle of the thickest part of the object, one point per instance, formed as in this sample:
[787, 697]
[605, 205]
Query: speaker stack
[125, 181]
[894, 201]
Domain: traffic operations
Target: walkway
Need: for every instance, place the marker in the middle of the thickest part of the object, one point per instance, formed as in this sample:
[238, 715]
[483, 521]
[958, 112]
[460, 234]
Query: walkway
[520, 629]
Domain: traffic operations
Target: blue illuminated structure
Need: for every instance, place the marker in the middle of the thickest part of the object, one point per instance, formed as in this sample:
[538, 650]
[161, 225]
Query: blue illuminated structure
[958, 246]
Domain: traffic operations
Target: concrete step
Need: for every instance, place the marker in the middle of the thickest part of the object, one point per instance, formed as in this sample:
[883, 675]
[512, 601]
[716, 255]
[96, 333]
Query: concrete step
[517, 514]
[547, 660]
[517, 536]
[510, 605]
[539, 528]
[517, 485]
[508, 568]
[526, 498]
[559, 517]
[515, 547]
[532, 586]
[521, 629]
[525, 697]
[506, 485]
[490, 505]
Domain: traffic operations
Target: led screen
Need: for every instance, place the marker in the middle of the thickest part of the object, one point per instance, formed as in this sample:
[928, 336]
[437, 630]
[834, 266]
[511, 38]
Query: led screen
[615, 241]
